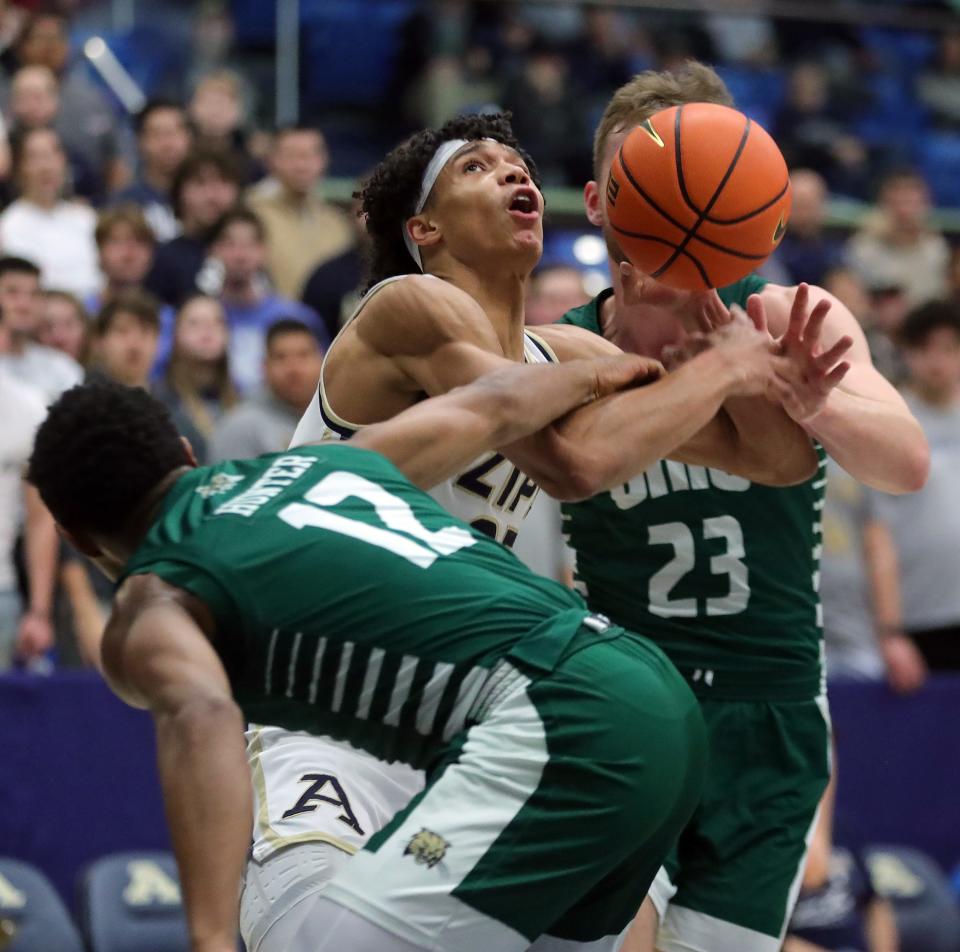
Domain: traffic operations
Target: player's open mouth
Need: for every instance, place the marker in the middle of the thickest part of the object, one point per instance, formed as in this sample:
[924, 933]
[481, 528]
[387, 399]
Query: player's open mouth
[525, 205]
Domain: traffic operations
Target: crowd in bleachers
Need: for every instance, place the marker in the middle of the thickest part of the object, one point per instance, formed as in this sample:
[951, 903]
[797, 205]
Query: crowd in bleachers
[189, 250]
[186, 250]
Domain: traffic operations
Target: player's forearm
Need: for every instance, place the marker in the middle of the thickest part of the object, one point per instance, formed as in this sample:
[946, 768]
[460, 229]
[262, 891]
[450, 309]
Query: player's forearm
[753, 438]
[881, 445]
[209, 805]
[612, 440]
[525, 399]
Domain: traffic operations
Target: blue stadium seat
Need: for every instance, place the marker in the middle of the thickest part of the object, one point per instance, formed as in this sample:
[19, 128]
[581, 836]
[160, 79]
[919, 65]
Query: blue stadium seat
[255, 22]
[905, 50]
[130, 902]
[30, 902]
[349, 49]
[927, 915]
[757, 92]
[939, 161]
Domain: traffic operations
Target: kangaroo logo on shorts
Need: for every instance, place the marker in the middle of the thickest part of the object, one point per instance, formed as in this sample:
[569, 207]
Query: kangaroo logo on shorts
[427, 848]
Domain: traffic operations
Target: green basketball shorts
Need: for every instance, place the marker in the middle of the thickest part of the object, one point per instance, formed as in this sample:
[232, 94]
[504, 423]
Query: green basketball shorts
[550, 814]
[738, 864]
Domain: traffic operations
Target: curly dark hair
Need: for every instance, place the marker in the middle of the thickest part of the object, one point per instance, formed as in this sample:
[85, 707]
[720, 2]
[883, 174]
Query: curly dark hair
[101, 449]
[389, 196]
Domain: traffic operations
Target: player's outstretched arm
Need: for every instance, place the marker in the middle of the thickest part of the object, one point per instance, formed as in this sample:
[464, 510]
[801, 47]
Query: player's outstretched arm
[157, 656]
[435, 439]
[864, 424]
[771, 449]
[437, 338]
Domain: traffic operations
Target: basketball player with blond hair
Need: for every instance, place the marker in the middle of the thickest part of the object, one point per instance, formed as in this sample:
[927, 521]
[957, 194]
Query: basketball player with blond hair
[455, 219]
[723, 574]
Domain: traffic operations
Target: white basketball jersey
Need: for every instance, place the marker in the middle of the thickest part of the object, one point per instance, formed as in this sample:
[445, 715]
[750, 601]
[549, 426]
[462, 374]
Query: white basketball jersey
[309, 788]
[491, 493]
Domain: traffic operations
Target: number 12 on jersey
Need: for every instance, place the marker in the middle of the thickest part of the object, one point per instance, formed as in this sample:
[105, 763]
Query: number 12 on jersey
[729, 562]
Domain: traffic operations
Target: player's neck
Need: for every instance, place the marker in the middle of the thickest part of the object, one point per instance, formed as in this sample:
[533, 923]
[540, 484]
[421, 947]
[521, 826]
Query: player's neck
[638, 329]
[501, 295]
[120, 547]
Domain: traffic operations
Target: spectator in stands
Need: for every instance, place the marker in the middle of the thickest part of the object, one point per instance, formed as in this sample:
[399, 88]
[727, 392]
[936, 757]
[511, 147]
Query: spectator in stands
[303, 229]
[49, 371]
[42, 225]
[218, 113]
[65, 326]
[333, 289]
[35, 104]
[926, 524]
[897, 245]
[205, 186]
[880, 311]
[938, 88]
[548, 115]
[265, 421]
[125, 248]
[814, 133]
[197, 385]
[838, 909]
[860, 590]
[27, 635]
[236, 276]
[554, 290]
[125, 338]
[741, 37]
[87, 119]
[954, 274]
[806, 251]
[163, 142]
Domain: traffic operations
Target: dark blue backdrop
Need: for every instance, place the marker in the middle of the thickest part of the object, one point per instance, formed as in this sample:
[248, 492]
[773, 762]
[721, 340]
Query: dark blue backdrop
[78, 776]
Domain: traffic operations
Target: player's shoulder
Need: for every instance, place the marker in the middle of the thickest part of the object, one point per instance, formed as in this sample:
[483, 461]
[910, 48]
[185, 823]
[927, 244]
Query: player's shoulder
[416, 291]
[570, 342]
[416, 311]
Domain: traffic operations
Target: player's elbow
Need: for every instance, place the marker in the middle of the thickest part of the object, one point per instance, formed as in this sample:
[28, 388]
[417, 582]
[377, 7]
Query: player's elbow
[919, 470]
[789, 469]
[574, 474]
[199, 719]
[914, 468]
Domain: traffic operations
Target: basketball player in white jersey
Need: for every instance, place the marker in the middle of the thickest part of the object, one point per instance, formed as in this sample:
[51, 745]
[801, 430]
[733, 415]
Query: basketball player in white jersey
[460, 204]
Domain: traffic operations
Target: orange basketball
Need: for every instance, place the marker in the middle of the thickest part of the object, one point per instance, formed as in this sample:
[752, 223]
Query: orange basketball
[698, 196]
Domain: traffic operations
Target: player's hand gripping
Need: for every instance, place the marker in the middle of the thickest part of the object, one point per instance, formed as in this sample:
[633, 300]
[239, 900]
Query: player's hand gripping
[695, 310]
[746, 346]
[612, 374]
[808, 374]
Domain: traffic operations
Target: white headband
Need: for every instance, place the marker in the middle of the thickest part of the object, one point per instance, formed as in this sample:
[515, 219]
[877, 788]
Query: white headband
[441, 157]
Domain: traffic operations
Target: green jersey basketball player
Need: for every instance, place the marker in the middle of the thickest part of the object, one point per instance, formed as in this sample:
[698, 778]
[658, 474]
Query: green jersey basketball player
[320, 590]
[723, 574]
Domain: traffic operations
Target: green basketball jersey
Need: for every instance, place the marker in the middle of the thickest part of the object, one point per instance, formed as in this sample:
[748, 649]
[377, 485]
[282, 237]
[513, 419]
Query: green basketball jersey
[722, 573]
[347, 602]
